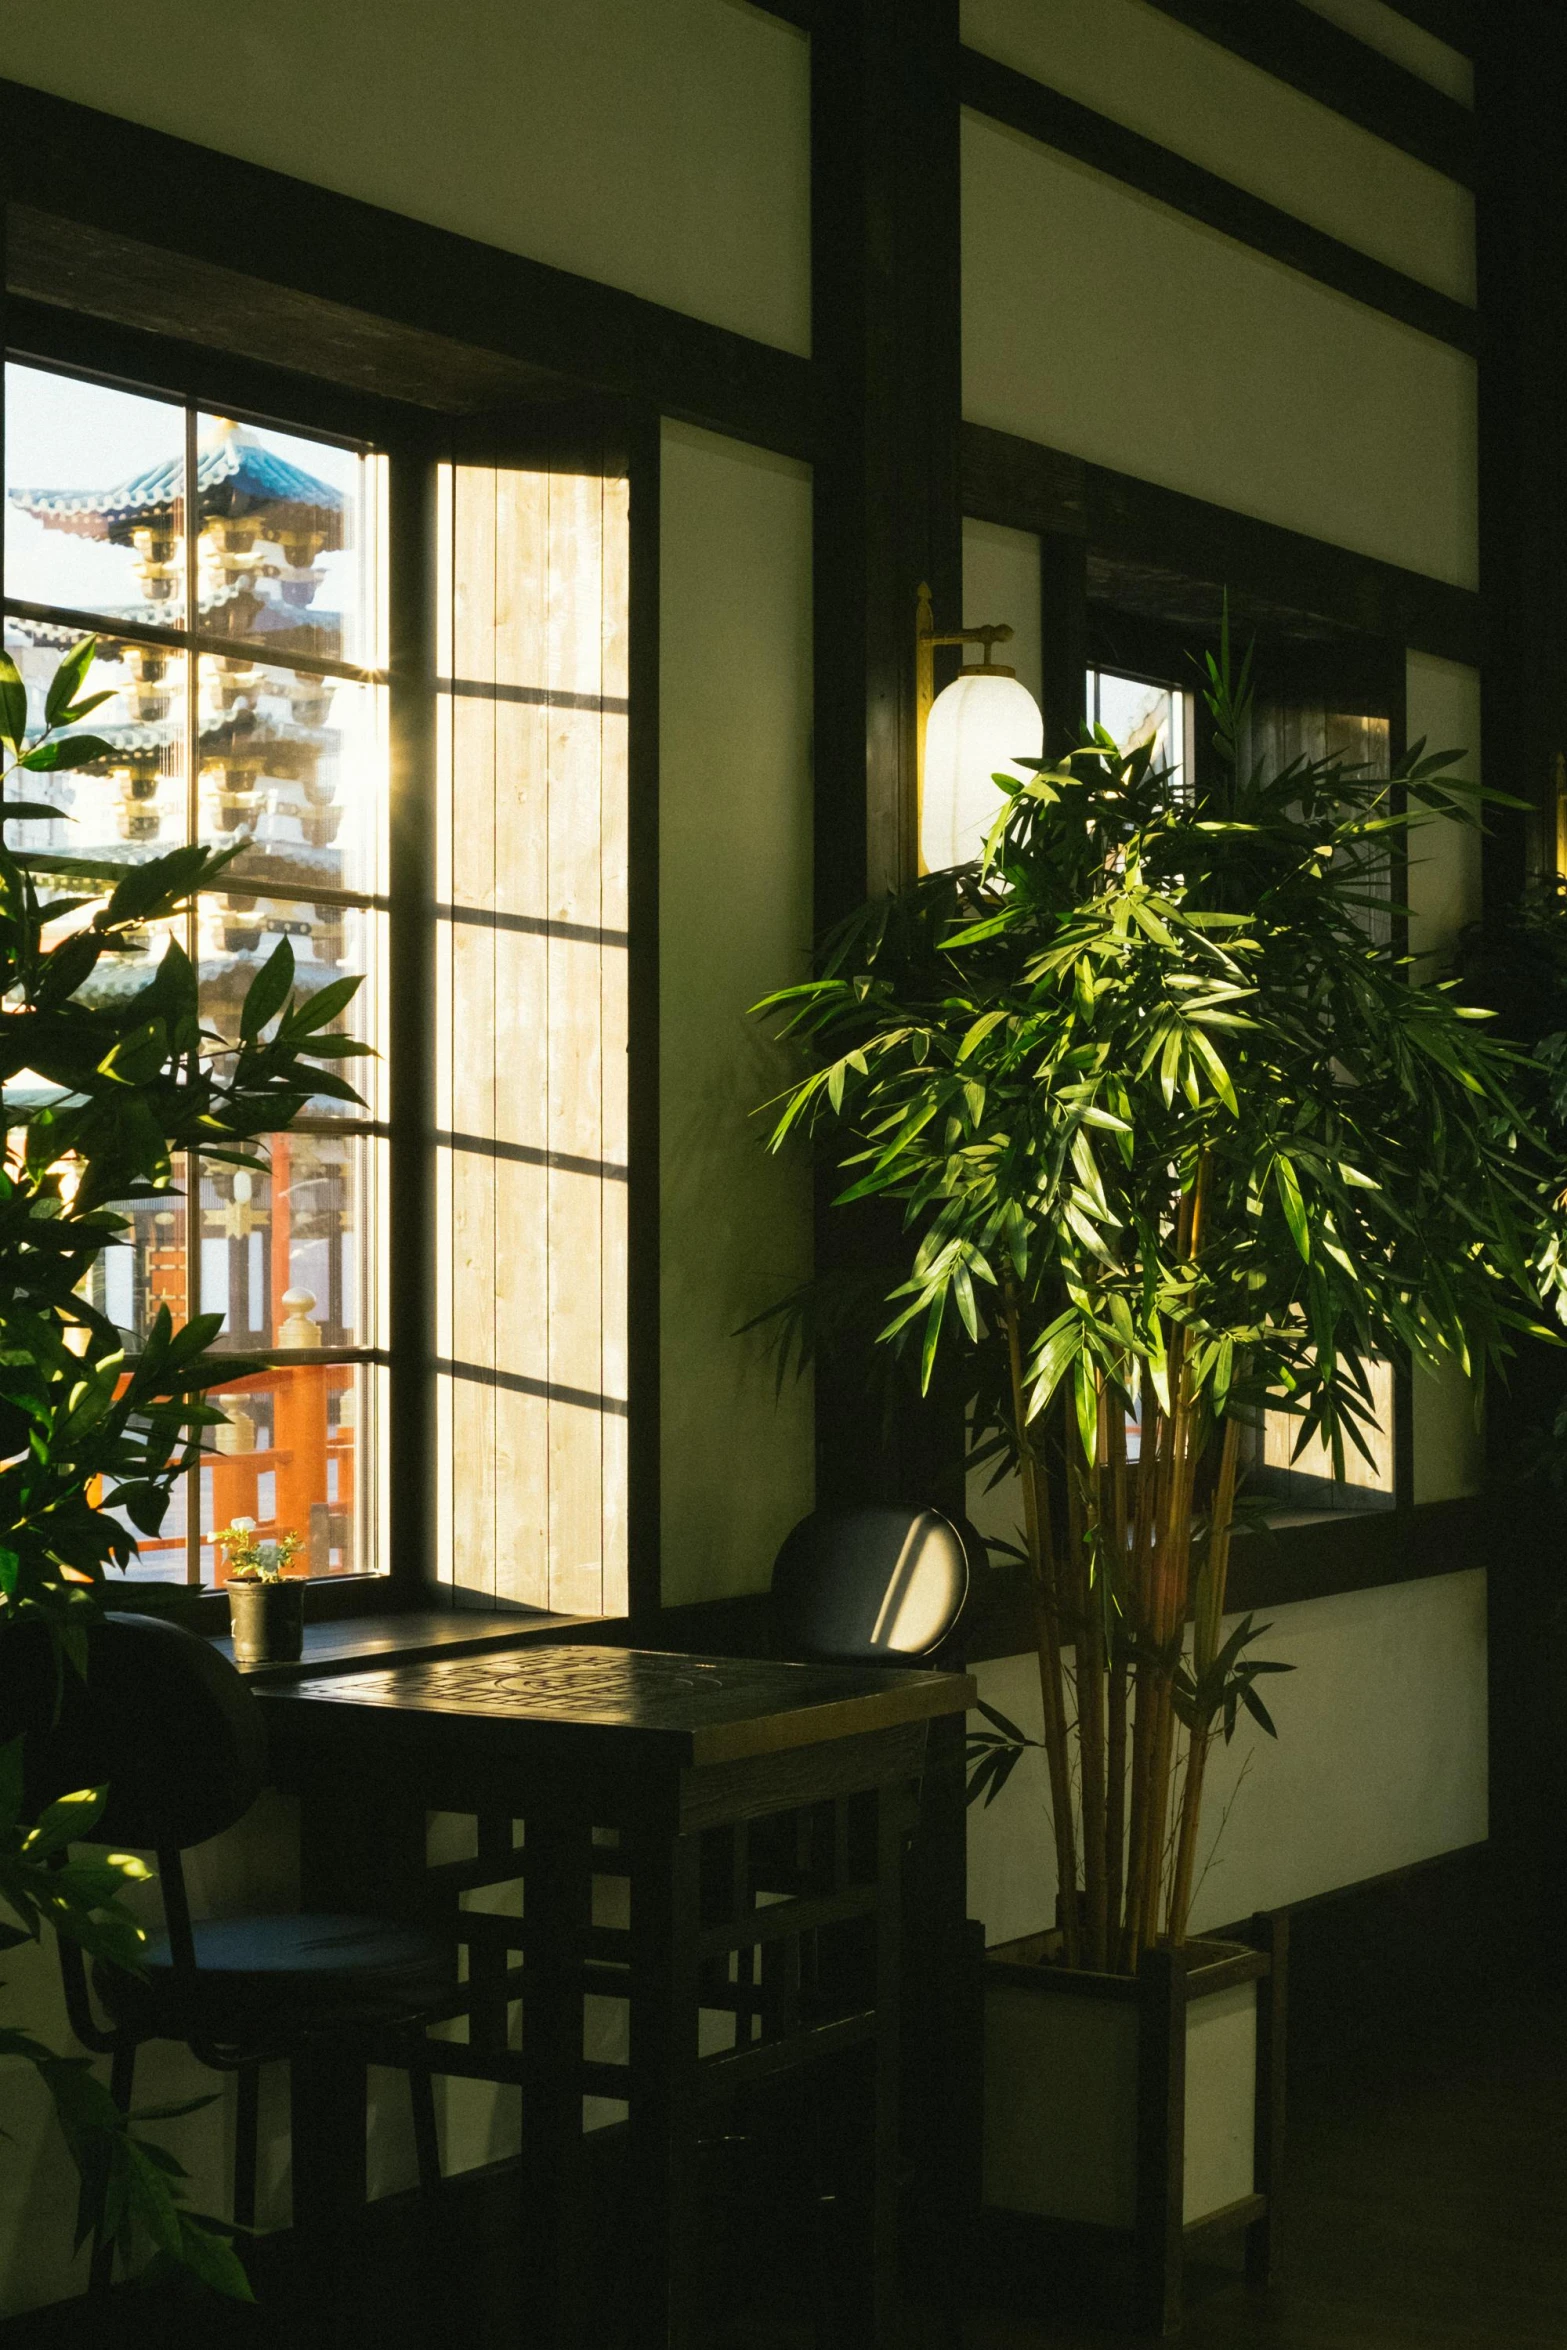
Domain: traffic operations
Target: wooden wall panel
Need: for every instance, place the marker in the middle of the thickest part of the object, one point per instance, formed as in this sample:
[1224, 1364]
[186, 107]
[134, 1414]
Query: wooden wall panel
[532, 1059]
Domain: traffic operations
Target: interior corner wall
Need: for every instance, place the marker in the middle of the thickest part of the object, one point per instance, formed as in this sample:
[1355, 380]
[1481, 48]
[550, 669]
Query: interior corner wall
[1380, 1761]
[1099, 321]
[664, 150]
[735, 895]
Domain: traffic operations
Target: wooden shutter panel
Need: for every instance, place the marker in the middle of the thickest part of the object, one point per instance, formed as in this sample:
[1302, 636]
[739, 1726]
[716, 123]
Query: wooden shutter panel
[531, 1187]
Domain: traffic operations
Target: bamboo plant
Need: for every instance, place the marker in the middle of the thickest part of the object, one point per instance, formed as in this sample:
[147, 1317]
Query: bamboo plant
[1176, 1139]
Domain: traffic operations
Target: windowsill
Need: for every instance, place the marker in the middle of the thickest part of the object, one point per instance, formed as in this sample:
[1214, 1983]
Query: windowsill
[414, 1636]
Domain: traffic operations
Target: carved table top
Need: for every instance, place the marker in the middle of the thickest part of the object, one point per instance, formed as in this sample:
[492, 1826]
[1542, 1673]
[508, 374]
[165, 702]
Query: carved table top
[692, 1710]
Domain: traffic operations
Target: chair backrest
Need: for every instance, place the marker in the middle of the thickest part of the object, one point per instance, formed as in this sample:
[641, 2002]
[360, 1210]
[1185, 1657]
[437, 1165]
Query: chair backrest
[161, 1718]
[870, 1585]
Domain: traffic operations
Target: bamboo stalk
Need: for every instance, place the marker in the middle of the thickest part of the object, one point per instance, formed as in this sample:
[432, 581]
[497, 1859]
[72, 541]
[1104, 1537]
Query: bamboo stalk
[1115, 1736]
[1090, 1702]
[1152, 1471]
[1047, 1632]
[1205, 1646]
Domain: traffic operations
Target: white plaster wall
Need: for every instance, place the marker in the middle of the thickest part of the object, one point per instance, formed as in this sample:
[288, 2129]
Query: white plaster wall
[1127, 60]
[735, 823]
[1001, 583]
[1380, 1760]
[664, 149]
[1098, 321]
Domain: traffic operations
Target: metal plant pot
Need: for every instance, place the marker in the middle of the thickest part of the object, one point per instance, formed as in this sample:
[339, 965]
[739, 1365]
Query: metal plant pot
[268, 1621]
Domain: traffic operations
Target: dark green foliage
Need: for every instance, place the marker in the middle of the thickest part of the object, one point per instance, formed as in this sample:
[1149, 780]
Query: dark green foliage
[119, 1080]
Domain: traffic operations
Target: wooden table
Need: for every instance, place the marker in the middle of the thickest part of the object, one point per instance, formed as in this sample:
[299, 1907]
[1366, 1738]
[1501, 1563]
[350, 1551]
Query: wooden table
[742, 1822]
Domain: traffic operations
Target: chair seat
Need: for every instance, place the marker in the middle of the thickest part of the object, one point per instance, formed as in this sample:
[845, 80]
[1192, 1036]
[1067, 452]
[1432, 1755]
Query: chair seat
[261, 1979]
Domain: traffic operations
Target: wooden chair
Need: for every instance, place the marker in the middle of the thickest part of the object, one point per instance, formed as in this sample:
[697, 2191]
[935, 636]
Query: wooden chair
[884, 1584]
[169, 1725]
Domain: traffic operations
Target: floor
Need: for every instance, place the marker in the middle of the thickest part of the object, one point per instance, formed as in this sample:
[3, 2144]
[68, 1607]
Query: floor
[1426, 2210]
[1427, 2201]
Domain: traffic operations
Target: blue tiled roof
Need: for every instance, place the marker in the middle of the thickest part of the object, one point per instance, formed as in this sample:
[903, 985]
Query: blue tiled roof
[235, 475]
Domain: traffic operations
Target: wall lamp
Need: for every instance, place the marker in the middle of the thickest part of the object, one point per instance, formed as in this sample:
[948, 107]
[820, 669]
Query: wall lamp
[980, 725]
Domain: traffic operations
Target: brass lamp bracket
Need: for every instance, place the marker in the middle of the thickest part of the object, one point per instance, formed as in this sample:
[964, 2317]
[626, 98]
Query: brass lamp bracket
[926, 638]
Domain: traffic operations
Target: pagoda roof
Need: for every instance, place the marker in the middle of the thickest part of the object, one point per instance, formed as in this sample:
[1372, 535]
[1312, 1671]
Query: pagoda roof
[236, 476]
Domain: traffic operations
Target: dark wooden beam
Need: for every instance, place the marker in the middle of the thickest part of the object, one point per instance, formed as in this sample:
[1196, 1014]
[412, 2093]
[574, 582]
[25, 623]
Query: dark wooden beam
[1297, 46]
[885, 337]
[1340, 1550]
[1072, 129]
[127, 224]
[886, 344]
[1521, 79]
[220, 381]
[1457, 22]
[1203, 549]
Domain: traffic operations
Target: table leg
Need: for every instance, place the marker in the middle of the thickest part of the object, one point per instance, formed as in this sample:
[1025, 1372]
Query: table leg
[663, 2238]
[558, 1908]
[330, 2173]
[882, 2279]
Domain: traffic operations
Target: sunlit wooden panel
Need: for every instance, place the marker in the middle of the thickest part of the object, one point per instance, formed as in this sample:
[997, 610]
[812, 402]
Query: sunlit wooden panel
[531, 1064]
[1306, 1478]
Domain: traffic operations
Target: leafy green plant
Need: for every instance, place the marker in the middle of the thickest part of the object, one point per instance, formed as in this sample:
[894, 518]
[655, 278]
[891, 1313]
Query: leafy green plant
[102, 1085]
[250, 1561]
[1175, 1140]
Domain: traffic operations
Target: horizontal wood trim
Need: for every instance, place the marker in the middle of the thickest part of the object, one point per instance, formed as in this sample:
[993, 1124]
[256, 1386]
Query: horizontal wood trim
[145, 230]
[1295, 45]
[1028, 486]
[1059, 122]
[1464, 1864]
[1340, 1551]
[1198, 2234]
[220, 381]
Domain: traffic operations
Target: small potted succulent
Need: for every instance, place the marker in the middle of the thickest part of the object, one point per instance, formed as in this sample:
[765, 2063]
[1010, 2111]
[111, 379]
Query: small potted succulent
[267, 1614]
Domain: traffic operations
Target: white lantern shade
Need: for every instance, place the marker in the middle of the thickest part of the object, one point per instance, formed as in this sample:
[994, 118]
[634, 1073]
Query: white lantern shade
[980, 726]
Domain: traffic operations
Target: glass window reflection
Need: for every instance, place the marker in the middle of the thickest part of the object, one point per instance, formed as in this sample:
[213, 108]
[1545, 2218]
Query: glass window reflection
[289, 1459]
[95, 498]
[281, 1248]
[290, 764]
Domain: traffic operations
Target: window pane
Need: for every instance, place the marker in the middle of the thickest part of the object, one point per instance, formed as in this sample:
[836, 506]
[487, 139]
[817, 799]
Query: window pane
[293, 1459]
[293, 763]
[1306, 1481]
[286, 551]
[131, 805]
[145, 1269]
[161, 1556]
[1135, 712]
[283, 1252]
[94, 498]
[237, 933]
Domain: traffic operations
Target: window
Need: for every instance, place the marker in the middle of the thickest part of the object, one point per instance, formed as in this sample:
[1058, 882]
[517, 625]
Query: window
[1135, 711]
[232, 573]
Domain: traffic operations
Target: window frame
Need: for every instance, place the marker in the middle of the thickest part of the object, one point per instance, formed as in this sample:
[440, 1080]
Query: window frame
[359, 427]
[416, 440]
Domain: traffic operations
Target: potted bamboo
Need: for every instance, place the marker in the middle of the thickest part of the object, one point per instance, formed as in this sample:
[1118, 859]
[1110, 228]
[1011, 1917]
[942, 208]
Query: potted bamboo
[1176, 1140]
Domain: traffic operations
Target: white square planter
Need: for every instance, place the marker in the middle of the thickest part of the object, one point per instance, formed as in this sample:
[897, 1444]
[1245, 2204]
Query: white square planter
[1128, 2117]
